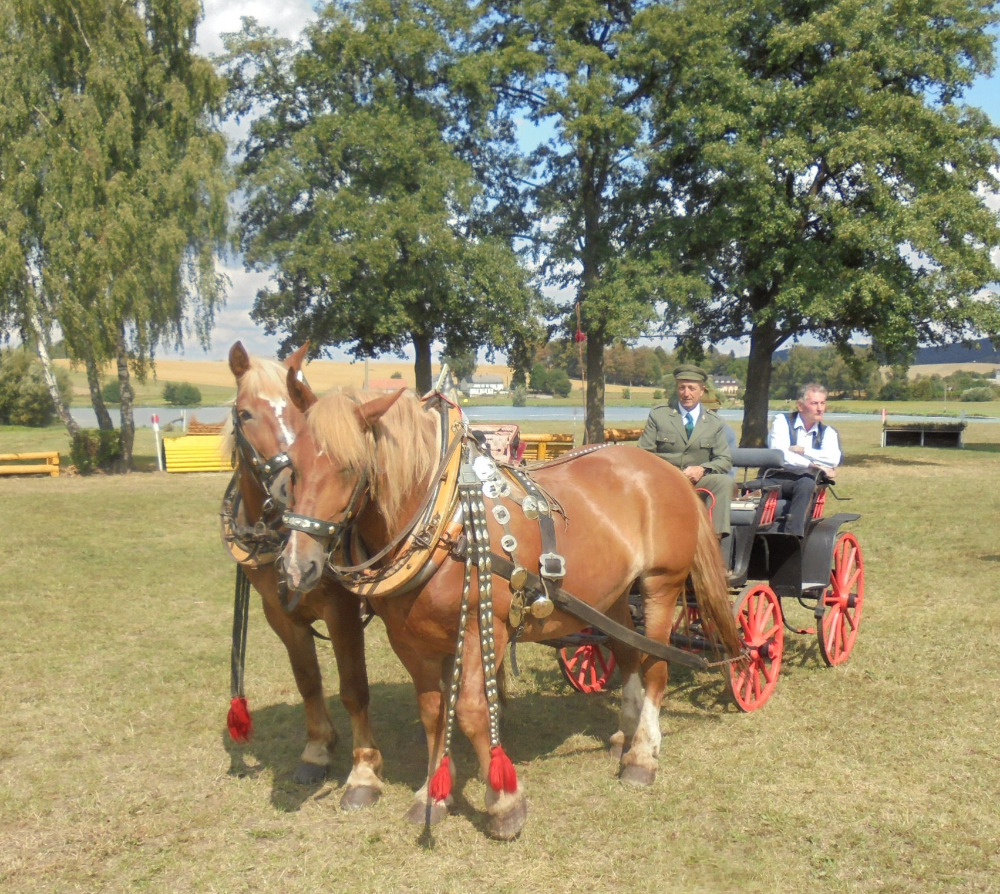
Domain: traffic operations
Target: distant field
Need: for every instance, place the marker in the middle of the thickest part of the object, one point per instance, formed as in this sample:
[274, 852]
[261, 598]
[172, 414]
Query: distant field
[322, 374]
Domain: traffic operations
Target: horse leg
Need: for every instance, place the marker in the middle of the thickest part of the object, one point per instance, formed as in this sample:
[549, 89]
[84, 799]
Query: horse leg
[320, 733]
[347, 636]
[639, 762]
[627, 661]
[507, 811]
[427, 674]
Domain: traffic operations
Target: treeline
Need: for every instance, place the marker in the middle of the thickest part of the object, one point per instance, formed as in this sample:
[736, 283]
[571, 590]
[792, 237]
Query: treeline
[857, 376]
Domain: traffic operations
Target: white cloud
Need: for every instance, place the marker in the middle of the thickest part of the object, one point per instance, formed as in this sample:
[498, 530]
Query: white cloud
[288, 18]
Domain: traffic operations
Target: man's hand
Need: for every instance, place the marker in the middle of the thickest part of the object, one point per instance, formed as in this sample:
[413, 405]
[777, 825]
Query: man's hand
[801, 451]
[694, 473]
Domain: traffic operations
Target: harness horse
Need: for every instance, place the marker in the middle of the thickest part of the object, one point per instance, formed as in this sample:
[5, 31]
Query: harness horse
[459, 555]
[263, 428]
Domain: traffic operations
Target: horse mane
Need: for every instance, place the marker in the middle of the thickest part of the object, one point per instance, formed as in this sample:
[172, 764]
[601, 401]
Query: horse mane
[265, 378]
[397, 453]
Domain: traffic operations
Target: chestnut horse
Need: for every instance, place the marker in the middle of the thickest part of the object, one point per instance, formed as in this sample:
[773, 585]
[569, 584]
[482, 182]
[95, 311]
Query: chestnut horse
[264, 426]
[364, 466]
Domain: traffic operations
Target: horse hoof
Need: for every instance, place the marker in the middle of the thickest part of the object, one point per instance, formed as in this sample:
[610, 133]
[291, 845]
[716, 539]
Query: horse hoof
[633, 774]
[508, 825]
[431, 814]
[357, 797]
[310, 774]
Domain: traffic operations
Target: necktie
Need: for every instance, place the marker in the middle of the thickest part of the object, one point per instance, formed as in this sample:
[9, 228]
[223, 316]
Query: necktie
[688, 424]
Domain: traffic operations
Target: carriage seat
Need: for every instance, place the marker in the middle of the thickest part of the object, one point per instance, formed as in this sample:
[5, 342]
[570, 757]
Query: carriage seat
[753, 490]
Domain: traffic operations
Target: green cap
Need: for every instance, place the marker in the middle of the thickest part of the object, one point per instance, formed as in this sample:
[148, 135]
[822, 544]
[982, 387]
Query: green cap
[688, 372]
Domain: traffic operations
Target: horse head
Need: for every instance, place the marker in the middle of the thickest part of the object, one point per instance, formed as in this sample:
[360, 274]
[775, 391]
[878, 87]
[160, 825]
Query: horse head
[341, 458]
[264, 425]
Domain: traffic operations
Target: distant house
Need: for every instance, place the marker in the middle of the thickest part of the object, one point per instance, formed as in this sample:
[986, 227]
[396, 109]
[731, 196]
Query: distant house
[727, 385]
[481, 385]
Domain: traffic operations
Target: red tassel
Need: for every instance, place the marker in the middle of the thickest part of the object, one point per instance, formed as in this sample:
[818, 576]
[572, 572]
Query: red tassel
[580, 336]
[440, 785]
[503, 776]
[238, 720]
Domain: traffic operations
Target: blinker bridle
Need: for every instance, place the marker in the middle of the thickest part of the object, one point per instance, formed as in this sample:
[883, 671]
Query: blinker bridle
[265, 471]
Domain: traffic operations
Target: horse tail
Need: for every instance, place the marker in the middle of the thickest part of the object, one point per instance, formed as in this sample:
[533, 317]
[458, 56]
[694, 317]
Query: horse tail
[708, 576]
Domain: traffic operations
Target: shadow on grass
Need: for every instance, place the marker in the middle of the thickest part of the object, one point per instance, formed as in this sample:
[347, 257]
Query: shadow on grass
[548, 722]
[874, 460]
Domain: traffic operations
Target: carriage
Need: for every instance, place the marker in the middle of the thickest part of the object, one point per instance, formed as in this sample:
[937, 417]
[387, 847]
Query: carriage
[769, 572]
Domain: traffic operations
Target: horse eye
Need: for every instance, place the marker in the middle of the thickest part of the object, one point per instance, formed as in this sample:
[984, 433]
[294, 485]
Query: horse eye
[245, 415]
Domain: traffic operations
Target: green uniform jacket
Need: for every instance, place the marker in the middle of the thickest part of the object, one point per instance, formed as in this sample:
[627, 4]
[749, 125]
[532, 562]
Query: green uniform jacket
[665, 436]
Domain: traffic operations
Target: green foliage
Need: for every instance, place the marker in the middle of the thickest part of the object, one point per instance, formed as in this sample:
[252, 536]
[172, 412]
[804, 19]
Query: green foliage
[24, 395]
[462, 365]
[382, 238]
[538, 382]
[897, 388]
[822, 216]
[559, 383]
[979, 395]
[120, 202]
[518, 396]
[112, 392]
[93, 450]
[396, 375]
[181, 394]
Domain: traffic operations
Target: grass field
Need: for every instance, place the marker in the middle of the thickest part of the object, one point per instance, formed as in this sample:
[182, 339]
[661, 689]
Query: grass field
[116, 773]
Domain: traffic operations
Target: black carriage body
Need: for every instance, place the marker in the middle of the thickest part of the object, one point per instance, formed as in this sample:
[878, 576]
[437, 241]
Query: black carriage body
[766, 568]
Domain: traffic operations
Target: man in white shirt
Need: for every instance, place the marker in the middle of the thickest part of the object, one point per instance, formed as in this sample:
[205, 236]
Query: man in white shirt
[809, 448]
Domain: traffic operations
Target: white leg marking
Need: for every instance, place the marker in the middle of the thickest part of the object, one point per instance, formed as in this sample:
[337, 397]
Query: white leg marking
[650, 724]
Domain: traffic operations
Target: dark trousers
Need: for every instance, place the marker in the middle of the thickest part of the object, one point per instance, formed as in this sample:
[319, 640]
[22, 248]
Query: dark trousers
[797, 488]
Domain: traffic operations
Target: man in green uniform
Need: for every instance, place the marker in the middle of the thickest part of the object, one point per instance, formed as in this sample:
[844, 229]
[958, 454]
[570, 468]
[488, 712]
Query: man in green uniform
[693, 438]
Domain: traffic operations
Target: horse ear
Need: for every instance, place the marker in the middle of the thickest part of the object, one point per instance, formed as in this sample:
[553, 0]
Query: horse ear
[369, 413]
[239, 360]
[296, 358]
[299, 391]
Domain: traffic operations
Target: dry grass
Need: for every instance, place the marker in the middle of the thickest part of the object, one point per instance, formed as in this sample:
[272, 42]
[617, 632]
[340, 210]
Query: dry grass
[116, 773]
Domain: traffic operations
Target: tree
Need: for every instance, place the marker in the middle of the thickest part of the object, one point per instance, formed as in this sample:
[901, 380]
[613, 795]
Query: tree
[571, 70]
[822, 175]
[462, 365]
[119, 203]
[362, 198]
[24, 394]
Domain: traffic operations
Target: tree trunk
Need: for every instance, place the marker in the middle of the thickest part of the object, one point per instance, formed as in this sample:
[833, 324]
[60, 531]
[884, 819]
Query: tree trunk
[96, 398]
[422, 364]
[126, 437]
[762, 347]
[50, 377]
[594, 427]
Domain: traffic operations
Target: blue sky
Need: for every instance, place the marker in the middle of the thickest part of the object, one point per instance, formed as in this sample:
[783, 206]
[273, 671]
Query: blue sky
[288, 18]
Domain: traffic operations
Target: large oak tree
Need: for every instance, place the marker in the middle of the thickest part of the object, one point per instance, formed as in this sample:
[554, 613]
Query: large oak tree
[817, 173]
[365, 199]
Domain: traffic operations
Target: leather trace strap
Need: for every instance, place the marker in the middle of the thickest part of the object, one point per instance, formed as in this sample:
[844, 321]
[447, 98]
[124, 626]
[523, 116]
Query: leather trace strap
[593, 618]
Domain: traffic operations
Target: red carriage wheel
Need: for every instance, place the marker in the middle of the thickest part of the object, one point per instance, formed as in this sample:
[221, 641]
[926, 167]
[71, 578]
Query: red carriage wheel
[587, 667]
[758, 616]
[842, 601]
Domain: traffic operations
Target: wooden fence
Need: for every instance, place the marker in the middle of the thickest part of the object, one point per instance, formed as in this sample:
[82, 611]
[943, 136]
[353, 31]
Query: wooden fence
[42, 463]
